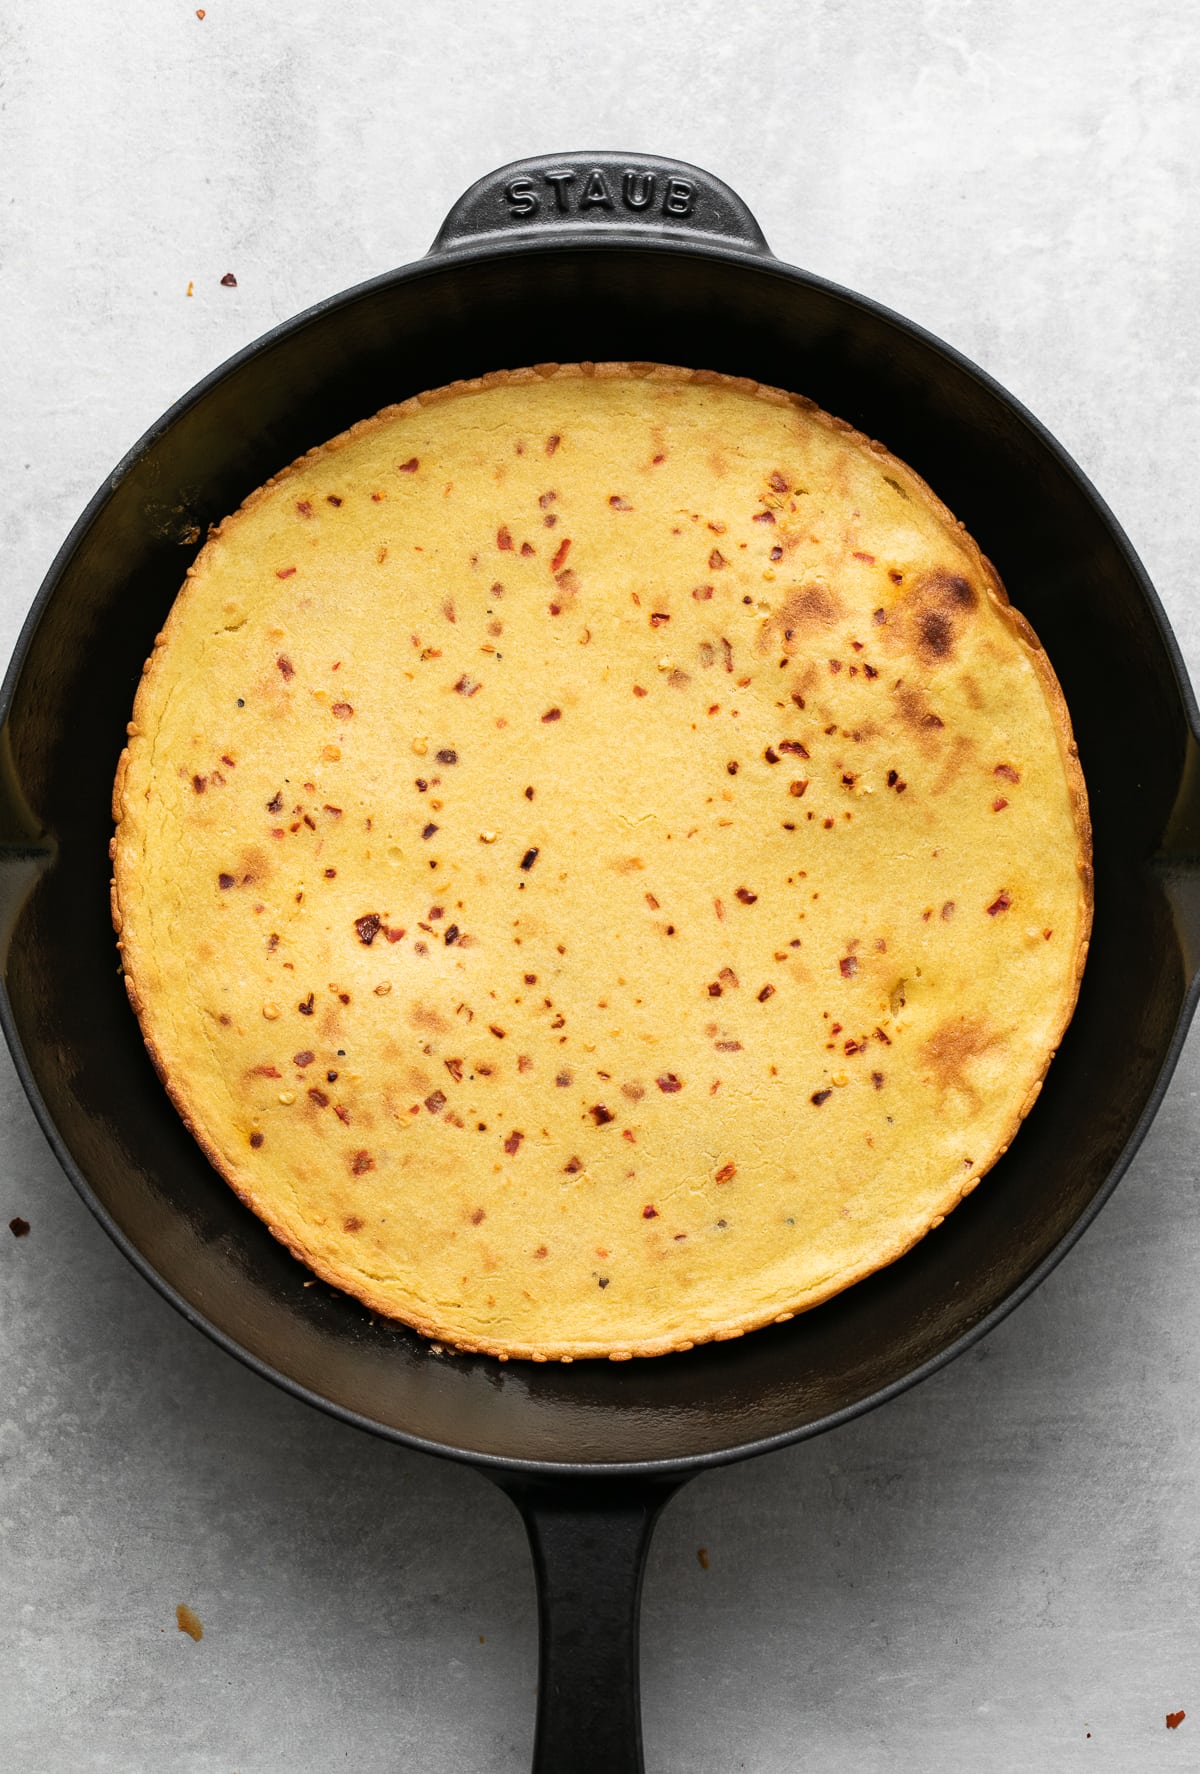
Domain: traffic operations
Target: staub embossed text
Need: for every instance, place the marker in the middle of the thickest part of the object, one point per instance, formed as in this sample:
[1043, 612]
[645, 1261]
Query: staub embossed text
[574, 191]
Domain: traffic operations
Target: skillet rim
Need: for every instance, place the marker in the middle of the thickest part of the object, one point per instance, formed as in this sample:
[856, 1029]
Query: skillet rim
[570, 240]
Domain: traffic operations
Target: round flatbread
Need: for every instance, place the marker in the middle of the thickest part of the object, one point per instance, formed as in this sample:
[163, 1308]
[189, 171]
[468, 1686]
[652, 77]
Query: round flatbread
[600, 864]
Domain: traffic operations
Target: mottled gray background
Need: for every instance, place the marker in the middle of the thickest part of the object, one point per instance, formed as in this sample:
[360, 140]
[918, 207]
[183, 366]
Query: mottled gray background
[999, 1571]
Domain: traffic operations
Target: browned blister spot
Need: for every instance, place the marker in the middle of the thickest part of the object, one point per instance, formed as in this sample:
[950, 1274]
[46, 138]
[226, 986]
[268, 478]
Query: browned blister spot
[935, 614]
[424, 1016]
[955, 1046]
[810, 610]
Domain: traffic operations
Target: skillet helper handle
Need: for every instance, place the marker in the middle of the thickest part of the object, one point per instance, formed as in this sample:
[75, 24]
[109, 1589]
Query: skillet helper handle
[589, 1545]
[599, 197]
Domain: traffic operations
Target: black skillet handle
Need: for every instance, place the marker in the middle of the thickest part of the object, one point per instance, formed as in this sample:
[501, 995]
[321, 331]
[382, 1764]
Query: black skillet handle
[589, 1544]
[594, 196]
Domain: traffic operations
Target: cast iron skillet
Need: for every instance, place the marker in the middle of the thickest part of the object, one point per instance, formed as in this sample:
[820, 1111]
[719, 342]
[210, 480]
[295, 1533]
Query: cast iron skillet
[593, 256]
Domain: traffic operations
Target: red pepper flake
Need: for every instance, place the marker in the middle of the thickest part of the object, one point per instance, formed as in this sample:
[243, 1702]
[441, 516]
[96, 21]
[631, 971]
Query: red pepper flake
[1001, 903]
[552, 714]
[669, 1083]
[256, 1140]
[224, 882]
[447, 756]
[728, 1046]
[835, 665]
[332, 499]
[429, 830]
[745, 895]
[512, 1144]
[726, 1173]
[715, 560]
[343, 710]
[319, 1097]
[1008, 773]
[877, 1080]
[560, 555]
[284, 572]
[768, 991]
[552, 444]
[529, 858]
[307, 1005]
[793, 748]
[658, 617]
[304, 1058]
[854, 1046]
[331, 874]
[527, 548]
[798, 787]
[571, 1166]
[436, 1102]
[638, 691]
[820, 1096]
[619, 504]
[504, 539]
[563, 1080]
[466, 686]
[601, 1115]
[848, 966]
[368, 927]
[948, 911]
[999, 804]
[702, 593]
[478, 1217]
[335, 811]
[771, 755]
[763, 517]
[265, 1072]
[649, 1213]
[361, 1163]
[20, 1228]
[870, 671]
[229, 281]
[1175, 1719]
[451, 936]
[409, 467]
[342, 1114]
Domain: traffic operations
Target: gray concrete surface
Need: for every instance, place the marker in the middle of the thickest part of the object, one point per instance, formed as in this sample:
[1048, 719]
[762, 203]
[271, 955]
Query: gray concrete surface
[998, 1572]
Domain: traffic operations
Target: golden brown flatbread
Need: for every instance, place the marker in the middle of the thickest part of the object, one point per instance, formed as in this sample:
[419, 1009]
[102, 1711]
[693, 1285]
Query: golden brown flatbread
[600, 865]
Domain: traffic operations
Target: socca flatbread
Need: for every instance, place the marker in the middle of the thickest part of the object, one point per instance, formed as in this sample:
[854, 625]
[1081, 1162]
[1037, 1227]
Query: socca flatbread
[600, 865]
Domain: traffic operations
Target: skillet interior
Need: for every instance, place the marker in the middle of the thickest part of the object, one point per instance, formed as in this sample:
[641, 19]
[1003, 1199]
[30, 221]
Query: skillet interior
[1066, 568]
